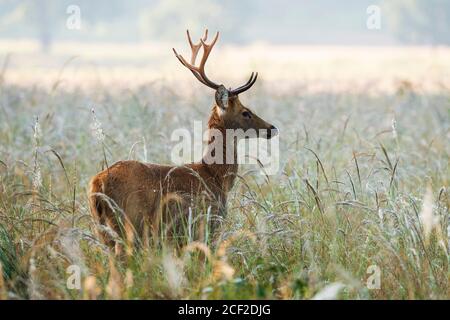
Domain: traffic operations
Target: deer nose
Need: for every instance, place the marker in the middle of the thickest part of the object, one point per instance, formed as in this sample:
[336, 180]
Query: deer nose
[272, 132]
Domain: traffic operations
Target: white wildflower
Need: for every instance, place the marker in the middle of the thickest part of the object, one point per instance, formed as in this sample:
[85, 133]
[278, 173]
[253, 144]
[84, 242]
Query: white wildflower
[174, 273]
[70, 244]
[37, 176]
[448, 236]
[33, 286]
[394, 128]
[381, 215]
[330, 292]
[427, 217]
[37, 131]
[96, 127]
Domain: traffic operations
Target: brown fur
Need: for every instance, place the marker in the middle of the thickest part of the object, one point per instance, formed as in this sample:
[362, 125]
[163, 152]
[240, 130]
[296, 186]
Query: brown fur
[150, 193]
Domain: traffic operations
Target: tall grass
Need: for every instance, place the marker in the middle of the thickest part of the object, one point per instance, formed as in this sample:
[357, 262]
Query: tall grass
[363, 182]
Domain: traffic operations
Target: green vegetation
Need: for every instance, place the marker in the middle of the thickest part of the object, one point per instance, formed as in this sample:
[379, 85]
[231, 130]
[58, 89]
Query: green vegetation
[363, 181]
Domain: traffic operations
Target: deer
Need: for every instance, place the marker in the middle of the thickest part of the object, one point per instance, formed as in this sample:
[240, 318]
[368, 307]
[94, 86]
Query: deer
[147, 195]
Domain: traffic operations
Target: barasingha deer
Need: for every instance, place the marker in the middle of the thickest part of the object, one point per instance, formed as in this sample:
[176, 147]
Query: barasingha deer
[159, 196]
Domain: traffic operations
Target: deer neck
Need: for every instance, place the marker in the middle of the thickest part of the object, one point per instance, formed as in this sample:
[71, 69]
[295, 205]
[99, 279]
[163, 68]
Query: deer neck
[224, 172]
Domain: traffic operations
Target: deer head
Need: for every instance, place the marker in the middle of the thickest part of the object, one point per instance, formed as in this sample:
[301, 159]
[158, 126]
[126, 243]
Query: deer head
[228, 107]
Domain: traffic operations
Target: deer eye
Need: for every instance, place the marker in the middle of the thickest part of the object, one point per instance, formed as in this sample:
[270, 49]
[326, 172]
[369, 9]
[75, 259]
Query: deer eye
[246, 114]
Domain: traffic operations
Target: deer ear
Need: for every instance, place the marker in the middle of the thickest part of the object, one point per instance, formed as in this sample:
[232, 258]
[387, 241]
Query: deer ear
[222, 97]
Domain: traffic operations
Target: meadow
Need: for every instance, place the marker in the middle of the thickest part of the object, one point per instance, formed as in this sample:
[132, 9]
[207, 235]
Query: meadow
[358, 210]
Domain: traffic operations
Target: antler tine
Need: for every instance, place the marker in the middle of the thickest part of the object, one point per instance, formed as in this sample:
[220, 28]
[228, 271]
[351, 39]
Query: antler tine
[189, 38]
[179, 57]
[248, 81]
[246, 86]
[194, 47]
[207, 48]
[205, 36]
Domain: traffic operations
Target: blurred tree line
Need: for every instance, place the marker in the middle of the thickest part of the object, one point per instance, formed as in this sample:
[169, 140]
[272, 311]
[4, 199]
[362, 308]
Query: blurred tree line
[281, 21]
[419, 21]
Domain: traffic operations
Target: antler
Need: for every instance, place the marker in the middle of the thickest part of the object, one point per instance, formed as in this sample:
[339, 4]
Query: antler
[199, 72]
[246, 86]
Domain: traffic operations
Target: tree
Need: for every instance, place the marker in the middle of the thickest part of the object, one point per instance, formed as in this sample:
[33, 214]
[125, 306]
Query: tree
[419, 21]
[167, 18]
